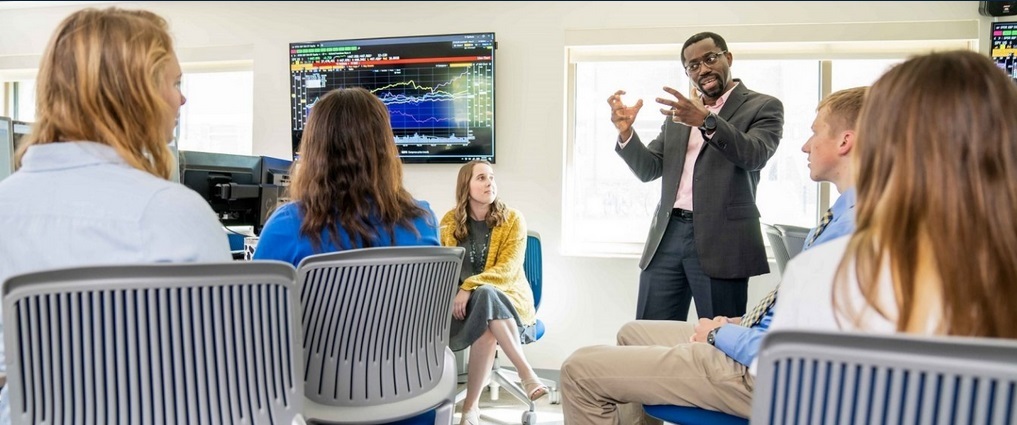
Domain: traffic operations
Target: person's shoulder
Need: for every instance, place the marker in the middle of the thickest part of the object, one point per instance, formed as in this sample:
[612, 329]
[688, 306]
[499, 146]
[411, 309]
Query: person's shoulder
[171, 195]
[752, 94]
[422, 203]
[449, 218]
[288, 213]
[426, 206]
[513, 214]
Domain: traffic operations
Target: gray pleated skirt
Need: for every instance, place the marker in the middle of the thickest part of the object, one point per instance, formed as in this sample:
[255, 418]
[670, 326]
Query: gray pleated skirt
[486, 303]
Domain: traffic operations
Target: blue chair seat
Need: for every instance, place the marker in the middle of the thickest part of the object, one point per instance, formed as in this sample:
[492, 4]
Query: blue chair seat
[685, 415]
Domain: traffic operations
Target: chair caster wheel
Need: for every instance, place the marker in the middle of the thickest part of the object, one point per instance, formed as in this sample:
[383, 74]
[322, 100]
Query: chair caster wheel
[529, 418]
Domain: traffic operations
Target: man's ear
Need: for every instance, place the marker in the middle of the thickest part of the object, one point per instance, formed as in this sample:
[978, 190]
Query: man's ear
[847, 142]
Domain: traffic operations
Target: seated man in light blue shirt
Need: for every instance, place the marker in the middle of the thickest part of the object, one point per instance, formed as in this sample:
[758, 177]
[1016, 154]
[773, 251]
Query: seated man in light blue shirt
[660, 362]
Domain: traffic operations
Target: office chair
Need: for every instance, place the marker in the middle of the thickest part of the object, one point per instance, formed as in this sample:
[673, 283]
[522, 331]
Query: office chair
[533, 267]
[776, 239]
[786, 241]
[854, 378]
[166, 343]
[794, 238]
[376, 329]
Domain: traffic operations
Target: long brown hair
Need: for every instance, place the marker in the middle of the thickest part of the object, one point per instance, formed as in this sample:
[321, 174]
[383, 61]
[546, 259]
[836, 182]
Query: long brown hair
[100, 80]
[495, 216]
[936, 163]
[349, 173]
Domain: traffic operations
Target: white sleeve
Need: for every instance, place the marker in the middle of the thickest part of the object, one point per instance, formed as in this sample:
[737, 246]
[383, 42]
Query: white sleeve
[181, 227]
[622, 144]
[787, 309]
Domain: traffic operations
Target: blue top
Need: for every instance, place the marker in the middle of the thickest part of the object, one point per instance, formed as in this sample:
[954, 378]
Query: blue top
[281, 238]
[79, 203]
[741, 343]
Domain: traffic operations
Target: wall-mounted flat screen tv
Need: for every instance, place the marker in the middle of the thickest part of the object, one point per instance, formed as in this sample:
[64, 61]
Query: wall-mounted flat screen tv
[1004, 47]
[439, 90]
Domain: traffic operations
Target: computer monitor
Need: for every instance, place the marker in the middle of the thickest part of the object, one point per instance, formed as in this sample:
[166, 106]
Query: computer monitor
[439, 90]
[6, 147]
[20, 129]
[1004, 47]
[235, 185]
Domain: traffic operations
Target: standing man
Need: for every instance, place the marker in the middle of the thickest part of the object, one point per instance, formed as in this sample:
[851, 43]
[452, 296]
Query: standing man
[707, 365]
[705, 240]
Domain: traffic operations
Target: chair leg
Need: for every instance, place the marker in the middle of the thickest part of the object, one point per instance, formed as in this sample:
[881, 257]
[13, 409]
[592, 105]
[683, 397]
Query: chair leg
[508, 380]
[443, 414]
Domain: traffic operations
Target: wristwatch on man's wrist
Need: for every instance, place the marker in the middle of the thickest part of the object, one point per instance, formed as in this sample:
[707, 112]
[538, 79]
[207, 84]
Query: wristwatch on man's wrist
[710, 123]
[711, 338]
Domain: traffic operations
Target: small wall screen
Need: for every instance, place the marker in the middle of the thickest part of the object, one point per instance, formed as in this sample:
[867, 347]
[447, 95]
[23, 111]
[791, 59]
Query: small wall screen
[1004, 47]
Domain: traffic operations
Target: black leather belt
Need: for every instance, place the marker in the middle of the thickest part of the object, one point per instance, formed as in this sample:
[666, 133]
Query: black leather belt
[682, 214]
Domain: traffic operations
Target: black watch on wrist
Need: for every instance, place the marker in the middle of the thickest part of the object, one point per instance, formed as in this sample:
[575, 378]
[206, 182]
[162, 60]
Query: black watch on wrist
[711, 338]
[710, 123]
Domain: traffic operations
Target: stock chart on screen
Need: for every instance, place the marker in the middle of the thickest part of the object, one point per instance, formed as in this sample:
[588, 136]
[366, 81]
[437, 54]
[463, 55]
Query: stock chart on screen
[439, 89]
[1004, 46]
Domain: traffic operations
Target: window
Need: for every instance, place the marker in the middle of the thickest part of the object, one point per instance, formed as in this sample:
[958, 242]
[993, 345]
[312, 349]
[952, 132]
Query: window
[607, 210]
[219, 114]
[608, 198]
[23, 100]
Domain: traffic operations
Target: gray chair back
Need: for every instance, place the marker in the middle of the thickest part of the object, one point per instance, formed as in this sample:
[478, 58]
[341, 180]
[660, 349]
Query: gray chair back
[147, 344]
[780, 253]
[376, 329]
[794, 238]
[847, 378]
[786, 241]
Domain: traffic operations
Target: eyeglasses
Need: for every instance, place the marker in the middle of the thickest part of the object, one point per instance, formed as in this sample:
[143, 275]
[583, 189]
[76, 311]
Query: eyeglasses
[708, 60]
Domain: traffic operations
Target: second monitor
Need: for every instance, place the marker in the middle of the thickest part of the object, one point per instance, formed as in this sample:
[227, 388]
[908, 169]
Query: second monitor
[243, 190]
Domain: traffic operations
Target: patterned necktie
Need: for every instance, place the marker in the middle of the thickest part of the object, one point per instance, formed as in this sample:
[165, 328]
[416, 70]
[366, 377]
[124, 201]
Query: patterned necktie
[753, 317]
[827, 218]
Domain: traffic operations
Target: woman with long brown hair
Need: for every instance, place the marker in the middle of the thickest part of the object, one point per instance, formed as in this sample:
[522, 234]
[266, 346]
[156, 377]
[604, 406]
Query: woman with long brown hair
[935, 245]
[347, 189]
[494, 305]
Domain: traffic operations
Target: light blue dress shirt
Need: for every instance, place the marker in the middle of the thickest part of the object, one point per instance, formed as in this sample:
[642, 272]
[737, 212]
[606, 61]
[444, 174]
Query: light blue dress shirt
[742, 343]
[79, 203]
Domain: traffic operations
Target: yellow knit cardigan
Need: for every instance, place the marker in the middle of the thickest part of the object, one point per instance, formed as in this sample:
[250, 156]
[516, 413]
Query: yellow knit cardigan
[504, 267]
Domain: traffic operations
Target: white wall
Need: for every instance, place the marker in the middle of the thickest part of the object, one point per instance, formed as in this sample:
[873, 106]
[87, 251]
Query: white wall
[586, 299]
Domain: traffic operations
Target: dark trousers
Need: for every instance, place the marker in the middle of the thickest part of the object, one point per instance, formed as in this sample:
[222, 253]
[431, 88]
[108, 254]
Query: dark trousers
[674, 277]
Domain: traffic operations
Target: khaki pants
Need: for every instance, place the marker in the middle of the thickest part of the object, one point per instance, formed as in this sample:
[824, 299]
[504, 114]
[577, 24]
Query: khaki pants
[654, 364]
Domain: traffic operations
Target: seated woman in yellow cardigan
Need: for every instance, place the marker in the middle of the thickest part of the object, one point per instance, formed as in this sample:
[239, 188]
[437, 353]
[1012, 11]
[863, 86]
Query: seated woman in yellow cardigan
[494, 305]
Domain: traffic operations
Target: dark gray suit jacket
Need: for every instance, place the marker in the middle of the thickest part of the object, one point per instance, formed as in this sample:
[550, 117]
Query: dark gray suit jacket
[726, 220]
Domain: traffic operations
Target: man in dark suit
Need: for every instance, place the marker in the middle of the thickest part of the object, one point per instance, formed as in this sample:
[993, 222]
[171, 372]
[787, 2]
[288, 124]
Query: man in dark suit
[705, 240]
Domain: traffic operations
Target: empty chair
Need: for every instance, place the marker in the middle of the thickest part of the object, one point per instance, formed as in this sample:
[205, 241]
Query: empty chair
[780, 253]
[850, 378]
[166, 343]
[376, 328]
[794, 238]
[786, 241]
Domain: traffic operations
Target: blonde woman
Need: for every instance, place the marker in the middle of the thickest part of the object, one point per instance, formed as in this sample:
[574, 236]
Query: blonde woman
[494, 305]
[936, 164]
[92, 186]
